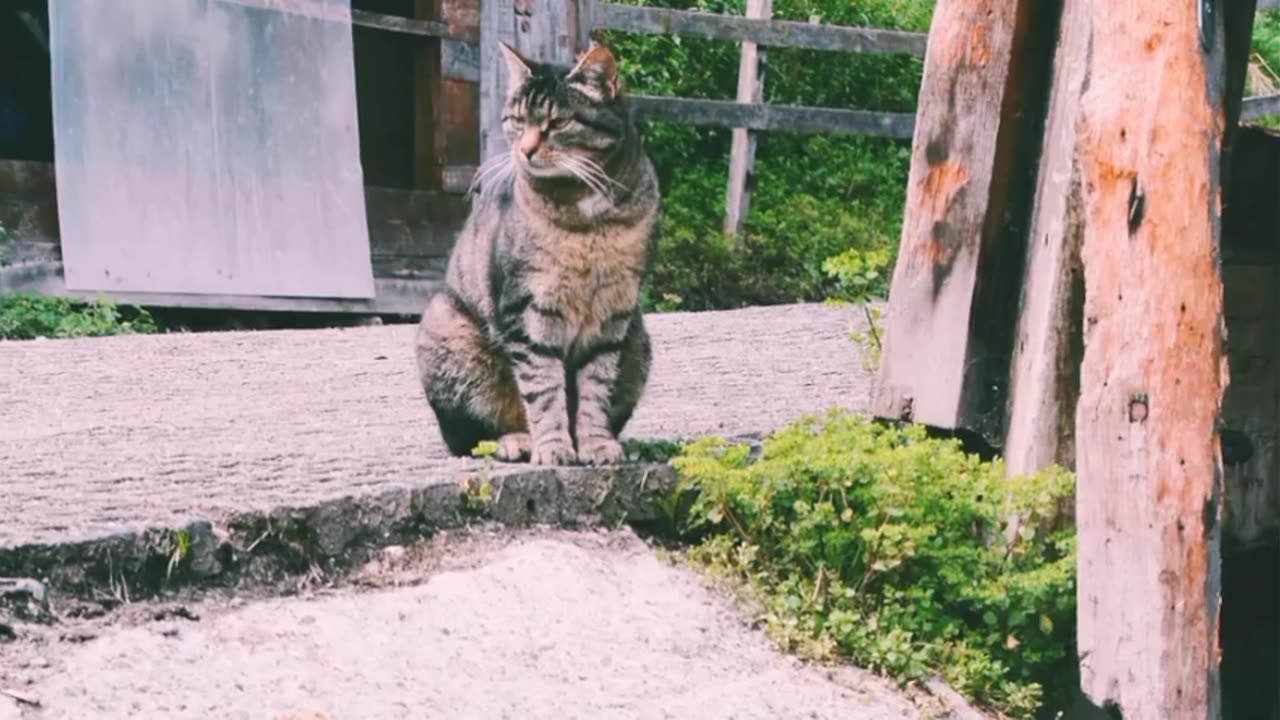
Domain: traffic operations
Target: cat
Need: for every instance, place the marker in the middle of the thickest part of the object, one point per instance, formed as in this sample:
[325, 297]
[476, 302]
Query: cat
[537, 340]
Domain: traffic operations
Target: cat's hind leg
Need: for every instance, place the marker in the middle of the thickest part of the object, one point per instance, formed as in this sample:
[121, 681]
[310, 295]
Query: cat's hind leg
[468, 383]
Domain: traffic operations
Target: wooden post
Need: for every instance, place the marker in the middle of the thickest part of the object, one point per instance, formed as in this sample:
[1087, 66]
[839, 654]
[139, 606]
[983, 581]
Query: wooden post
[955, 288]
[543, 30]
[426, 96]
[742, 157]
[1045, 374]
[1149, 468]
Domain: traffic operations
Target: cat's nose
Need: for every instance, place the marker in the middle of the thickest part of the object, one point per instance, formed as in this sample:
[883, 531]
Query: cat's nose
[530, 141]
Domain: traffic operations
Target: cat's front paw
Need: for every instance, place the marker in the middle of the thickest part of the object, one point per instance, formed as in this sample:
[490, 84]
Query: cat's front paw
[600, 451]
[553, 451]
[514, 447]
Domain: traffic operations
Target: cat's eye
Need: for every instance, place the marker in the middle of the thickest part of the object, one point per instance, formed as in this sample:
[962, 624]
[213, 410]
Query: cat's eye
[558, 123]
[513, 119]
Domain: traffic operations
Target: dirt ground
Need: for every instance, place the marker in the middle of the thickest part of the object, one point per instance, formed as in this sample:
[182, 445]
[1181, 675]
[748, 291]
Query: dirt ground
[474, 624]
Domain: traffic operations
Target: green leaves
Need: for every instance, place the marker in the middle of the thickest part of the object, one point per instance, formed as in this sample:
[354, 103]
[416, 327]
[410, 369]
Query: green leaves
[896, 551]
[814, 197]
[26, 316]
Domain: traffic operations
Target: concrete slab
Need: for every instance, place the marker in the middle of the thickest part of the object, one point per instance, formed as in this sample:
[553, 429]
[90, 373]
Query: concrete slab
[112, 435]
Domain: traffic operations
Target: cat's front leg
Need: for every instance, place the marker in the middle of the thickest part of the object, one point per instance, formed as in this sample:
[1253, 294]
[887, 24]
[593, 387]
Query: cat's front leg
[538, 362]
[595, 381]
[541, 379]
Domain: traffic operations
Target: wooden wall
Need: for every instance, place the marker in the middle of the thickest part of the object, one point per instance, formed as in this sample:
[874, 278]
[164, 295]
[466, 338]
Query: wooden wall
[419, 143]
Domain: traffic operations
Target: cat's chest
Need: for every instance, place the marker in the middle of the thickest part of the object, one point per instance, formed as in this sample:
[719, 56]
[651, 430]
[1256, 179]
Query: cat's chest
[588, 277]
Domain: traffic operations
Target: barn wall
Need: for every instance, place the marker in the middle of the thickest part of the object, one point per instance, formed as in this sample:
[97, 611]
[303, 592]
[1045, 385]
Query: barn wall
[411, 226]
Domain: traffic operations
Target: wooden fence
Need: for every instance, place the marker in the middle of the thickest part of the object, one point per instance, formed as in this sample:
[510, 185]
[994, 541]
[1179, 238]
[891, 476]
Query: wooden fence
[548, 30]
[456, 84]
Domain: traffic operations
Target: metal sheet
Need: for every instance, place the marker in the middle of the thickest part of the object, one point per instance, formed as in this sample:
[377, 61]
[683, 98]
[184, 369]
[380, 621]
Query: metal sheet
[208, 146]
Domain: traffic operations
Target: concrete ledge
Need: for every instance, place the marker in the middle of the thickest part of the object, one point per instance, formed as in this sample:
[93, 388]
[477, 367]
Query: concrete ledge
[272, 546]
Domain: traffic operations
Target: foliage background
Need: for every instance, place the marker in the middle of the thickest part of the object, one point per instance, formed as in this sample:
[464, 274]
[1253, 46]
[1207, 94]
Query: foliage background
[815, 197]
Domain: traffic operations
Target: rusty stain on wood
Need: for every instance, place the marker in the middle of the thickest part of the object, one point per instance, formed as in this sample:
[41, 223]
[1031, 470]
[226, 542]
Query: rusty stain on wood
[975, 143]
[1148, 620]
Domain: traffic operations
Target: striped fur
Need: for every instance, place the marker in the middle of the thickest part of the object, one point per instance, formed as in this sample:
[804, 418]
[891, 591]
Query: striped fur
[537, 340]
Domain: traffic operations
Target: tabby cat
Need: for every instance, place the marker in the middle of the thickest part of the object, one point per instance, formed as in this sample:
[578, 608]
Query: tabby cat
[537, 340]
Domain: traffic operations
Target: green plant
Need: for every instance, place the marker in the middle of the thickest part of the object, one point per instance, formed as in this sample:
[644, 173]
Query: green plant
[883, 546]
[652, 450]
[861, 278]
[814, 196]
[25, 316]
[181, 547]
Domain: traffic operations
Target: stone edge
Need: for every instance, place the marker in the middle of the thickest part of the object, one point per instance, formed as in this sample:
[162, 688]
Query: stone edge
[257, 548]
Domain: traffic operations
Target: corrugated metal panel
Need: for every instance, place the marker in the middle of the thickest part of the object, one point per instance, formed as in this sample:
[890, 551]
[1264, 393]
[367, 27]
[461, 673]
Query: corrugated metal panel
[204, 146]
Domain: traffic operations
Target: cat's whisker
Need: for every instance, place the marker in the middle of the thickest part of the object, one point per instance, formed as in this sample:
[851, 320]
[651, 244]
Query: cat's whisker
[586, 174]
[487, 171]
[576, 171]
[595, 168]
[496, 168]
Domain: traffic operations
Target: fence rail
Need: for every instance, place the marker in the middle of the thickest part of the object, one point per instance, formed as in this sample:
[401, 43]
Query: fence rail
[775, 33]
[761, 116]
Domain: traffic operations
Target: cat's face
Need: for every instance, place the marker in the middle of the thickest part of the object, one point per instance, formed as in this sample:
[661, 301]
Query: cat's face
[564, 122]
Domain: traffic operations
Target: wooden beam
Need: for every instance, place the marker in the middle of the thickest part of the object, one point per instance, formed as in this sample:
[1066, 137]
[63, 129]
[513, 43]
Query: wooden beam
[1044, 378]
[460, 60]
[392, 296]
[955, 288]
[1254, 108]
[742, 155]
[427, 81]
[790, 118]
[779, 33]
[497, 24]
[458, 138]
[457, 178]
[1238, 16]
[364, 18]
[1149, 469]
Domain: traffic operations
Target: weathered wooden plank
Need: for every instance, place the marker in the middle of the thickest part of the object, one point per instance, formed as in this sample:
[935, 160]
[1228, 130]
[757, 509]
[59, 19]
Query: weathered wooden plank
[787, 118]
[459, 103]
[1260, 106]
[460, 60]
[497, 24]
[1238, 16]
[392, 296]
[778, 33]
[336, 13]
[1149, 492]
[1044, 377]
[457, 178]
[742, 154]
[427, 79]
[974, 158]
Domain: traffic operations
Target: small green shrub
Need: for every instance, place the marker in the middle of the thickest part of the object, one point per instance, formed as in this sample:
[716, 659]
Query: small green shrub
[26, 316]
[882, 546]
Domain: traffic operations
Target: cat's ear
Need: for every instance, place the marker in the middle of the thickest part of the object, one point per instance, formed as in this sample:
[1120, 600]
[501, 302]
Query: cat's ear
[596, 74]
[518, 68]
